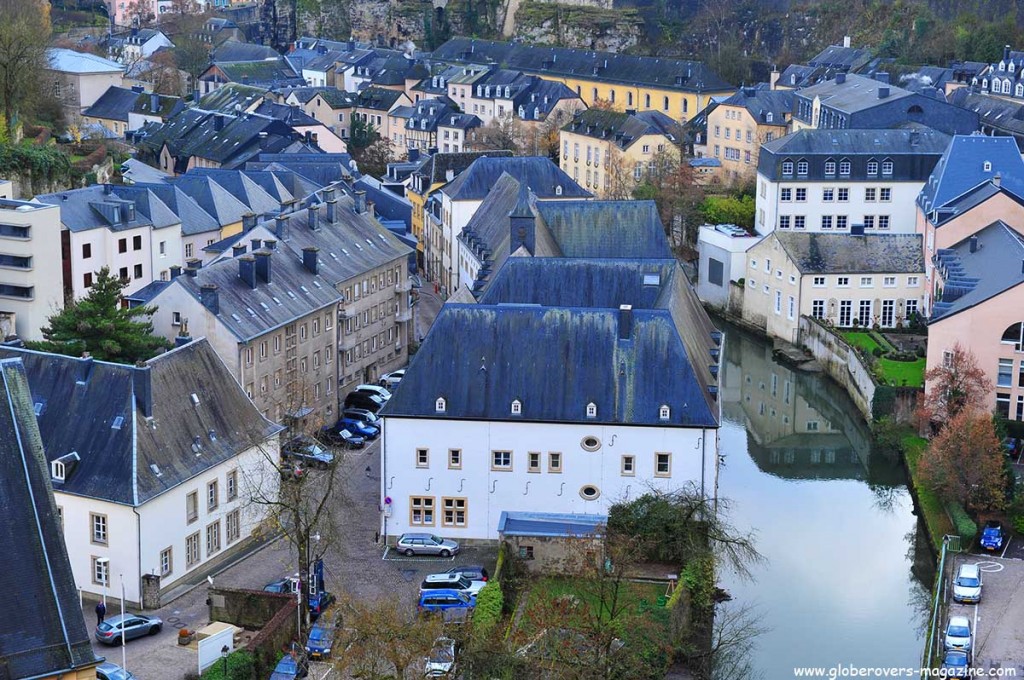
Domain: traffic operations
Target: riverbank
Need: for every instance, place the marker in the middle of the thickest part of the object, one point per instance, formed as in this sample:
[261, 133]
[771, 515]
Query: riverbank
[936, 521]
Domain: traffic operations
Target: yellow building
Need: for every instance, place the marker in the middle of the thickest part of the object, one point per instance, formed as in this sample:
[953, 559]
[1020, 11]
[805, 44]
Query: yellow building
[738, 126]
[609, 153]
[675, 87]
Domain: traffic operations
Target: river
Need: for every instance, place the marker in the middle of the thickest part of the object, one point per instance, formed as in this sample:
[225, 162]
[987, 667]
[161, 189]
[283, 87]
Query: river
[847, 568]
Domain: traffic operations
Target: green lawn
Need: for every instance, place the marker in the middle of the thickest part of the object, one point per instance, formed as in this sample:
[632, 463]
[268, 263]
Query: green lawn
[935, 516]
[898, 373]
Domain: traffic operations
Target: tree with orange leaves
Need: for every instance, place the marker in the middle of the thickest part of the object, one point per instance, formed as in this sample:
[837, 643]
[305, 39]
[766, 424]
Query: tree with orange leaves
[964, 463]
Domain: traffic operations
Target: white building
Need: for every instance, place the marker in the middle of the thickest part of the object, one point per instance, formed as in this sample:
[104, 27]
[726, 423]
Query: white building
[723, 262]
[156, 481]
[830, 180]
[543, 407]
[30, 269]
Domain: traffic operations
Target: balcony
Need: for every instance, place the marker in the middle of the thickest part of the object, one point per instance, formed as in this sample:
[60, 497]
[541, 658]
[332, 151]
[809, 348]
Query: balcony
[403, 286]
[403, 316]
[347, 341]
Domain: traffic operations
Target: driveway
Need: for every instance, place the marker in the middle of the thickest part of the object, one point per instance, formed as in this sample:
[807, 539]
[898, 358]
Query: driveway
[999, 619]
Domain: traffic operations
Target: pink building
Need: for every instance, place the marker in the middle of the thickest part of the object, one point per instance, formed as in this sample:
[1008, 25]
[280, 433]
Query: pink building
[981, 306]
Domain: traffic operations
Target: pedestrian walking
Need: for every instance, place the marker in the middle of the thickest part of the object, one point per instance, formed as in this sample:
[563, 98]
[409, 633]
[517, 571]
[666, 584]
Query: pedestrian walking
[367, 470]
[101, 611]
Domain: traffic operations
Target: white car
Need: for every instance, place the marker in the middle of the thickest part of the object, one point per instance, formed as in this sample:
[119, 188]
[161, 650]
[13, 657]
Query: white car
[967, 584]
[958, 634]
[375, 390]
[441, 662]
[452, 582]
[391, 380]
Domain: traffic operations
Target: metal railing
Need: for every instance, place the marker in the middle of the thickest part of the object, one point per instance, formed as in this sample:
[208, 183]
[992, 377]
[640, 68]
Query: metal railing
[950, 544]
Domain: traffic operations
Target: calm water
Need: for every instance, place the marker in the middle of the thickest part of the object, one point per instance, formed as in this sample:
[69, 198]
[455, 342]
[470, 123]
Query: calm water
[844, 580]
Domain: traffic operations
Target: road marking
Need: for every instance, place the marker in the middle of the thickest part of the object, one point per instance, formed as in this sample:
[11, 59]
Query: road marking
[1005, 547]
[975, 648]
[989, 567]
[414, 558]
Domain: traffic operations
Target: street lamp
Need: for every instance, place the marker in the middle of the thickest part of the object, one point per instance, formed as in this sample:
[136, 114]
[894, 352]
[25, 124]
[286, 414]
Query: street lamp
[224, 651]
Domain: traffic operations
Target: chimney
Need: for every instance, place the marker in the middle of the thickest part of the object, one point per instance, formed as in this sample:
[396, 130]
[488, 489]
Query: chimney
[154, 102]
[630, 112]
[313, 216]
[237, 250]
[882, 77]
[175, 271]
[997, 179]
[414, 155]
[1006, 53]
[256, 244]
[209, 297]
[522, 224]
[248, 221]
[263, 266]
[856, 230]
[270, 244]
[218, 122]
[370, 209]
[181, 340]
[840, 78]
[281, 227]
[191, 271]
[625, 322]
[360, 204]
[883, 92]
[309, 259]
[773, 78]
[194, 263]
[332, 208]
[846, 41]
[142, 386]
[107, 189]
[974, 243]
[247, 270]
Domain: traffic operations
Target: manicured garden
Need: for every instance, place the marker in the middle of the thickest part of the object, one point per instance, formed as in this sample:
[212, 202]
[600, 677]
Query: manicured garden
[891, 366]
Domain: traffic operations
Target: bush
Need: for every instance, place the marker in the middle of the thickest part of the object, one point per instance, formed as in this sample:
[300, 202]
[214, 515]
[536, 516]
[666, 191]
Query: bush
[241, 666]
[877, 351]
[1018, 524]
[489, 603]
[962, 522]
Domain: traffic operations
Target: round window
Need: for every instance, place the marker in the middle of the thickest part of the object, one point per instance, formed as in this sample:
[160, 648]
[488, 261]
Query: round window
[591, 443]
[589, 492]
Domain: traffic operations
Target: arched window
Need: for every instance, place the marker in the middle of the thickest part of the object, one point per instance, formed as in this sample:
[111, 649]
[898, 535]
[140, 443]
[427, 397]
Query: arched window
[1014, 335]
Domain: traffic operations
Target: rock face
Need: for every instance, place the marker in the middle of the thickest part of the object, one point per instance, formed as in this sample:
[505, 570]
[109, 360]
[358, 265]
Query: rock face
[277, 23]
[580, 25]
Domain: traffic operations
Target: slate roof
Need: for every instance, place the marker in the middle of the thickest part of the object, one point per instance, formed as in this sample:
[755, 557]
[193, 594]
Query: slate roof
[1003, 115]
[387, 204]
[556, 360]
[840, 57]
[267, 73]
[92, 208]
[134, 170]
[239, 185]
[623, 128]
[538, 172]
[962, 168]
[889, 142]
[54, 641]
[232, 50]
[800, 75]
[217, 201]
[231, 98]
[292, 115]
[378, 98]
[144, 295]
[239, 138]
[541, 97]
[166, 105]
[847, 254]
[69, 61]
[429, 114]
[669, 74]
[856, 93]
[114, 104]
[436, 168]
[969, 279]
[115, 458]
[606, 228]
[759, 103]
[337, 99]
[550, 524]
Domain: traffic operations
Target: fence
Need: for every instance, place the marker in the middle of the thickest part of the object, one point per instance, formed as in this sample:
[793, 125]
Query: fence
[950, 544]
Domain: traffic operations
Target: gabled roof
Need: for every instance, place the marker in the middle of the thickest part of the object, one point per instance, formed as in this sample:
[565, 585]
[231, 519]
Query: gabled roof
[556, 358]
[232, 98]
[166, 105]
[800, 75]
[962, 168]
[241, 186]
[232, 50]
[387, 204]
[69, 61]
[847, 254]
[759, 103]
[54, 643]
[114, 104]
[292, 115]
[869, 142]
[378, 98]
[94, 208]
[970, 278]
[855, 93]
[606, 228]
[659, 72]
[268, 73]
[139, 427]
[623, 128]
[436, 168]
[544, 178]
[215, 199]
[840, 57]
[337, 99]
[1003, 115]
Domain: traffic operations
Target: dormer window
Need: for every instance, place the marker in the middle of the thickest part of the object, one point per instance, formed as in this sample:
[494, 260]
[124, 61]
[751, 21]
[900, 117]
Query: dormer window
[591, 410]
[768, 117]
[440, 405]
[664, 412]
[988, 166]
[57, 471]
[517, 407]
[558, 190]
[787, 167]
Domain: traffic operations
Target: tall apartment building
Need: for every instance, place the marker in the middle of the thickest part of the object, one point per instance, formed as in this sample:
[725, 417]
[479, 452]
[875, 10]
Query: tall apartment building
[30, 271]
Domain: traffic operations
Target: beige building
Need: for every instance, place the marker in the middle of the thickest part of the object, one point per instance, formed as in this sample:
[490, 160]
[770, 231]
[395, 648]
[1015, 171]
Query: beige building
[738, 126]
[31, 283]
[79, 78]
[848, 280]
[373, 106]
[609, 153]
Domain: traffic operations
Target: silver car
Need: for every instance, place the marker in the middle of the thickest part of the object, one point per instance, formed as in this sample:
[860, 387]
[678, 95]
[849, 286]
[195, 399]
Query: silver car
[958, 634]
[111, 671]
[130, 626]
[426, 544]
[967, 584]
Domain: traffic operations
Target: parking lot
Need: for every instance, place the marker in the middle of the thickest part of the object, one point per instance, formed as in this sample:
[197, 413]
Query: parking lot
[998, 620]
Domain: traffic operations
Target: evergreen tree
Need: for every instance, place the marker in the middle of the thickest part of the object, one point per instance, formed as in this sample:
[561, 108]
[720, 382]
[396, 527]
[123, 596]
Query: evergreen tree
[100, 325]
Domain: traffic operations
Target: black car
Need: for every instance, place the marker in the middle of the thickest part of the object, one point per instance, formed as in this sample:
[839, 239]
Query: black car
[370, 402]
[340, 437]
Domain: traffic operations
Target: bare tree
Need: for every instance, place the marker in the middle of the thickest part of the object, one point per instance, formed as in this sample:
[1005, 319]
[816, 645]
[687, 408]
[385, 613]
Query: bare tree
[383, 640]
[504, 132]
[24, 34]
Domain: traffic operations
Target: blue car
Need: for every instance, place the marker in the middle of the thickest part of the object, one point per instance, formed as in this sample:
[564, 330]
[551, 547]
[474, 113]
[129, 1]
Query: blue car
[288, 669]
[358, 427]
[445, 598]
[321, 639]
[992, 536]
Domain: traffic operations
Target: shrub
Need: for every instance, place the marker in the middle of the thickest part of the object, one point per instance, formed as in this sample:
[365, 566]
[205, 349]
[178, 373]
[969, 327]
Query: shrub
[1018, 523]
[877, 351]
[921, 352]
[241, 666]
[489, 603]
[962, 522]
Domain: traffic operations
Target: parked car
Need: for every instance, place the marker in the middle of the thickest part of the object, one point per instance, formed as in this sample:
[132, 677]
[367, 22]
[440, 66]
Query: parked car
[992, 536]
[111, 671]
[370, 402]
[441, 662]
[473, 572]
[440, 600]
[451, 582]
[426, 544]
[289, 668]
[359, 427]
[376, 390]
[368, 417]
[284, 585]
[955, 664]
[341, 437]
[391, 380]
[130, 626]
[318, 602]
[967, 584]
[321, 640]
[958, 634]
[309, 451]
